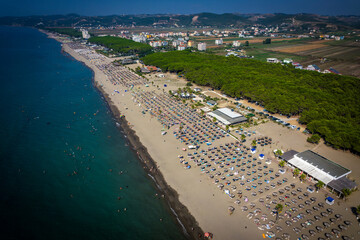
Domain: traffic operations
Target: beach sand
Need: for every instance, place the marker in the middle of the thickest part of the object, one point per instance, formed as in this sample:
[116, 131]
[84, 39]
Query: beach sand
[197, 201]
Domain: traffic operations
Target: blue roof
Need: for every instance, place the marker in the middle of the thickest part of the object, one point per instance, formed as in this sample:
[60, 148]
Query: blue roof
[330, 199]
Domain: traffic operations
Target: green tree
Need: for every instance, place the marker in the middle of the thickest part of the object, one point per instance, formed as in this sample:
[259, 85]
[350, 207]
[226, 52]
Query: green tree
[227, 128]
[253, 143]
[296, 172]
[214, 119]
[278, 153]
[282, 163]
[358, 209]
[315, 138]
[267, 41]
[319, 185]
[302, 177]
[243, 137]
[346, 192]
[246, 43]
[189, 84]
[279, 207]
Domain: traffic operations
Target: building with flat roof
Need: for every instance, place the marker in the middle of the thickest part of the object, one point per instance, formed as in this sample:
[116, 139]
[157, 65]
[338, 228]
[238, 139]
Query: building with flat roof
[202, 46]
[320, 168]
[227, 117]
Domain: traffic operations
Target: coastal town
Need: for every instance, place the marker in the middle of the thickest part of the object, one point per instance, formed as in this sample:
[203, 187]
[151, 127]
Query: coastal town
[256, 171]
[221, 41]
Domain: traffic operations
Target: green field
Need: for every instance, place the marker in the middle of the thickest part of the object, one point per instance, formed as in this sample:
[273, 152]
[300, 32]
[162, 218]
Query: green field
[122, 46]
[66, 31]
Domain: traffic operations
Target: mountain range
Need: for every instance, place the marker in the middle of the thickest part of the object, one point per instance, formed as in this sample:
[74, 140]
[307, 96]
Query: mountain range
[190, 20]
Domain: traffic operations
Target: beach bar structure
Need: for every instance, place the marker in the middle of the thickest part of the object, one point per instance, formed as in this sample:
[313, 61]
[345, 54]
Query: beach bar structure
[320, 168]
[227, 117]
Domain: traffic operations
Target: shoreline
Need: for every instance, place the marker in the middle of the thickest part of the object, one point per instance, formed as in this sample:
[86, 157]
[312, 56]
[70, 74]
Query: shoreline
[185, 219]
[194, 188]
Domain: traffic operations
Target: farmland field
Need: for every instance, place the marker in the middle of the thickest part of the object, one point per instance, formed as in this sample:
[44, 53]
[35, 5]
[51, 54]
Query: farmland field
[343, 55]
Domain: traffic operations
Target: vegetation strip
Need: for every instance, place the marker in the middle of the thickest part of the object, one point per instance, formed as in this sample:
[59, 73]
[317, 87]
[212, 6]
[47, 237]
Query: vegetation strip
[327, 103]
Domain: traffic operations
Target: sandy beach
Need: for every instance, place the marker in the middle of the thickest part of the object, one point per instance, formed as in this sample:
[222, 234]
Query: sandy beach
[145, 111]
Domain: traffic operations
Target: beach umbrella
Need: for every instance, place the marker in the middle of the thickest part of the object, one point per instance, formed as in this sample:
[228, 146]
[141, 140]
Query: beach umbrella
[300, 197]
[288, 223]
[313, 199]
[338, 216]
[342, 227]
[329, 235]
[317, 217]
[231, 209]
[286, 236]
[287, 188]
[335, 231]
[347, 222]
[319, 229]
[312, 232]
[244, 208]
[304, 236]
[321, 205]
[315, 208]
[278, 228]
[303, 225]
[324, 214]
[296, 230]
[332, 220]
[326, 224]
[330, 210]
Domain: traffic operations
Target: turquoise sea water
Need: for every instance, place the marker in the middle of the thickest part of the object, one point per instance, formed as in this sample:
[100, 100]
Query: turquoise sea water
[65, 169]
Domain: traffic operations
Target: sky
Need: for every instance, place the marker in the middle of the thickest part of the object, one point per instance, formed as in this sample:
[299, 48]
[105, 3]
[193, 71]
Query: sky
[109, 7]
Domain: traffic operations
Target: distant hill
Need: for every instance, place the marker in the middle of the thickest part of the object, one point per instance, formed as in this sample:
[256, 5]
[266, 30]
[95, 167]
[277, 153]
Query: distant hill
[190, 20]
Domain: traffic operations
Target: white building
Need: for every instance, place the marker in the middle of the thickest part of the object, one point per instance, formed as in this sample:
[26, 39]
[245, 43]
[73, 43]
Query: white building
[219, 41]
[85, 34]
[181, 47]
[202, 46]
[272, 60]
[236, 44]
[155, 43]
[139, 38]
[227, 117]
[287, 61]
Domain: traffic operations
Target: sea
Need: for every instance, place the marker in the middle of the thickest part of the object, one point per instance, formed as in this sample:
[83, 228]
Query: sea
[66, 169]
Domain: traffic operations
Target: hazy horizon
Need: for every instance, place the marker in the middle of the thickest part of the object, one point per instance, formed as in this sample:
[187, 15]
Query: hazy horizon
[113, 7]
